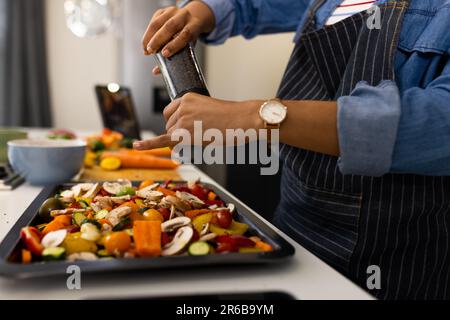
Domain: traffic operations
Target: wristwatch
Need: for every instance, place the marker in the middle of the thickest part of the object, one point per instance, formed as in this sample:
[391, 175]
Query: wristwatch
[273, 113]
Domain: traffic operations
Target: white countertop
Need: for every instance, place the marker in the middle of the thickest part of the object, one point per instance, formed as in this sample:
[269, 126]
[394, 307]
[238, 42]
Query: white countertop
[304, 276]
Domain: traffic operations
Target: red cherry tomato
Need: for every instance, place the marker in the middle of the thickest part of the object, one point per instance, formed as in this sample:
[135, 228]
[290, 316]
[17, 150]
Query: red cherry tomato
[224, 219]
[200, 192]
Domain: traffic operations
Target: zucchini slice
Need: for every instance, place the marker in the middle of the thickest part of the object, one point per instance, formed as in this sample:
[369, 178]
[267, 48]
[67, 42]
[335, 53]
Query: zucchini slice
[101, 214]
[199, 248]
[54, 254]
[78, 218]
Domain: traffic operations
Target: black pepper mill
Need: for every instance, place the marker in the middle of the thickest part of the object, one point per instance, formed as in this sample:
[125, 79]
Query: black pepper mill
[182, 73]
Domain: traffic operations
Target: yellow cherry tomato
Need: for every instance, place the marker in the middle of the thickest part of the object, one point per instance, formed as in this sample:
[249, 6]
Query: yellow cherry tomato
[111, 164]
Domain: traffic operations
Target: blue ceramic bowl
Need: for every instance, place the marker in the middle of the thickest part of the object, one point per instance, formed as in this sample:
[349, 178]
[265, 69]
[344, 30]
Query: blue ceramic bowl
[44, 162]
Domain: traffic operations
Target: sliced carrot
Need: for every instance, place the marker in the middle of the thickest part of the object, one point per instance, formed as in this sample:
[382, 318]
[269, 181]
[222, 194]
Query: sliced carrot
[141, 161]
[264, 246]
[166, 192]
[212, 196]
[26, 257]
[58, 223]
[66, 219]
[147, 238]
[195, 213]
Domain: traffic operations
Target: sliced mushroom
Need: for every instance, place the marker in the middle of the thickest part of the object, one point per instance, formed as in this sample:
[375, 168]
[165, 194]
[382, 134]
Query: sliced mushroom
[150, 194]
[67, 196]
[208, 237]
[83, 256]
[115, 216]
[174, 201]
[81, 188]
[172, 212]
[116, 187]
[191, 199]
[92, 191]
[179, 242]
[54, 239]
[175, 224]
[64, 212]
[205, 229]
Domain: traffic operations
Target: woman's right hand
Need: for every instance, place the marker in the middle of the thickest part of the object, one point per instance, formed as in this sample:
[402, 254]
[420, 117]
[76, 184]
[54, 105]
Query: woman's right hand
[172, 29]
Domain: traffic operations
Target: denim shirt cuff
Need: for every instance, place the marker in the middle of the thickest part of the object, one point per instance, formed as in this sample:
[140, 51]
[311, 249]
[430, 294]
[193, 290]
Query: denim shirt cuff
[224, 15]
[368, 122]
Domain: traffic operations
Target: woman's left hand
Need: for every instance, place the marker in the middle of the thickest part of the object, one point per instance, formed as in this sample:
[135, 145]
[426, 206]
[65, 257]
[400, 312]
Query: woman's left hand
[212, 113]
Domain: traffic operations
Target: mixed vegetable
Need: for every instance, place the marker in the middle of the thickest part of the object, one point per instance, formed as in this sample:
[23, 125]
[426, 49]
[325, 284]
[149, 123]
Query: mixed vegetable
[112, 151]
[93, 221]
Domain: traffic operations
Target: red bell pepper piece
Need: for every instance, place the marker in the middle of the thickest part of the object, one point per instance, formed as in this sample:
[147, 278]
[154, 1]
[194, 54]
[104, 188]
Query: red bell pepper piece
[236, 241]
[32, 239]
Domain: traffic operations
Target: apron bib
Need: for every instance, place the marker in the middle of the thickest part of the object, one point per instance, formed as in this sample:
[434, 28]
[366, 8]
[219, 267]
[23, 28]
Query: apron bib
[399, 223]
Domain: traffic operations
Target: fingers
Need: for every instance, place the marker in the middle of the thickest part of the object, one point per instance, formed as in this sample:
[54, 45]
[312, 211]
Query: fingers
[172, 120]
[166, 33]
[171, 109]
[179, 42]
[156, 71]
[158, 20]
[163, 141]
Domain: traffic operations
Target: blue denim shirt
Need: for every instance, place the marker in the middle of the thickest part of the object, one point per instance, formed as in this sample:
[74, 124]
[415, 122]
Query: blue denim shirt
[399, 127]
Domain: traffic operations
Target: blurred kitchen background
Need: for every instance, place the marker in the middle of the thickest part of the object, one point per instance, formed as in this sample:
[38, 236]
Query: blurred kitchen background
[48, 72]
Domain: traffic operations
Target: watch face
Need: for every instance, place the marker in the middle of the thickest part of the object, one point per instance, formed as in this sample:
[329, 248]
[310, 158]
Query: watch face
[273, 112]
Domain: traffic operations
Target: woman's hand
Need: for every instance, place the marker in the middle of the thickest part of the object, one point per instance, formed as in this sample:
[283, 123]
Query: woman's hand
[172, 29]
[213, 113]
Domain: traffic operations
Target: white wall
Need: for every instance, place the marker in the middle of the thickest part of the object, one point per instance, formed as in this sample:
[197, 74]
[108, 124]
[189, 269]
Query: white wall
[75, 67]
[242, 69]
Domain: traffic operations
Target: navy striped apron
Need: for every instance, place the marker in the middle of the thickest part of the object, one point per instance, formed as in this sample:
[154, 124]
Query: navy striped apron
[399, 223]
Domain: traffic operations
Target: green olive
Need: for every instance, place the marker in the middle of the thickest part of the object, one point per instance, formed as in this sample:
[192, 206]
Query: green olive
[48, 206]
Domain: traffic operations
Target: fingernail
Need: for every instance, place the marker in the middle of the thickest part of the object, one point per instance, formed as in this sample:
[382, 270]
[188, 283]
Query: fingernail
[149, 50]
[166, 53]
[138, 145]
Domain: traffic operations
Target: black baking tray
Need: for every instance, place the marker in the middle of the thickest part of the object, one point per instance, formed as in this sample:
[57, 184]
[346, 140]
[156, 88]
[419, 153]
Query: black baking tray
[10, 245]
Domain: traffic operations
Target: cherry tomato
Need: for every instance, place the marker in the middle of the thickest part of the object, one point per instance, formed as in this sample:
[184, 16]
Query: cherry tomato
[200, 192]
[224, 219]
[117, 242]
[32, 239]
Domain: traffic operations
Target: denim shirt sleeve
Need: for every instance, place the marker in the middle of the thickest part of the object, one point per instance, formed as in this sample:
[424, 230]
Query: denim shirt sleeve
[382, 130]
[368, 122]
[250, 18]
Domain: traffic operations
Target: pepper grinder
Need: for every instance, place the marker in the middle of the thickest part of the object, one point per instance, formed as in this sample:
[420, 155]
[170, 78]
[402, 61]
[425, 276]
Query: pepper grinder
[182, 73]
